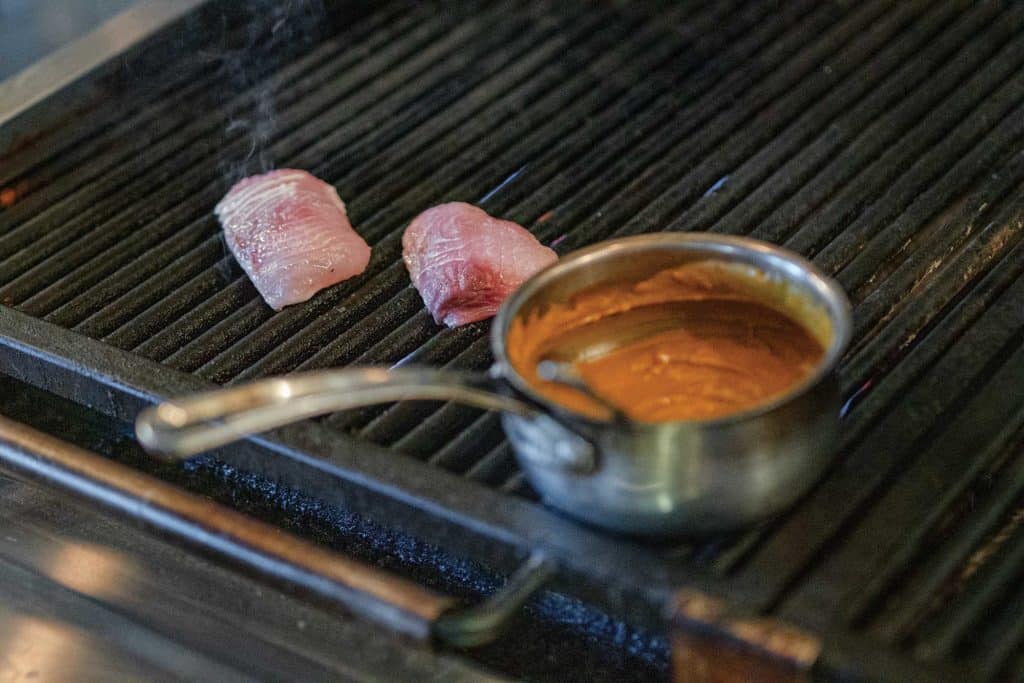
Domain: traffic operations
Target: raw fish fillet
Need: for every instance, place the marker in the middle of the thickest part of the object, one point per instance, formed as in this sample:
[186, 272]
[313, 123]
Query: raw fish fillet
[289, 231]
[465, 263]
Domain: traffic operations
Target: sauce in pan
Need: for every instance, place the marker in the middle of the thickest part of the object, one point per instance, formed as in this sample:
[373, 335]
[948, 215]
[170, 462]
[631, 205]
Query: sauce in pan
[696, 342]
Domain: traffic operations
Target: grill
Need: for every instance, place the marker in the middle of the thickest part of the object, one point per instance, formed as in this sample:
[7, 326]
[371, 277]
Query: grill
[881, 139]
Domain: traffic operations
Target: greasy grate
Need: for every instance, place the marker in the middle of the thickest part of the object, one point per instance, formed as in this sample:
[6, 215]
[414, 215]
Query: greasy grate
[880, 138]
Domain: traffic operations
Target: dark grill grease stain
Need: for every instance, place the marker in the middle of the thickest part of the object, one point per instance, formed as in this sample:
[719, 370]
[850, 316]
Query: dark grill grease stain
[557, 638]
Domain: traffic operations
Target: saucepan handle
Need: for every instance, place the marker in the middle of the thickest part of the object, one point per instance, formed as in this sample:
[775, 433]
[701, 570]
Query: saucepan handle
[184, 427]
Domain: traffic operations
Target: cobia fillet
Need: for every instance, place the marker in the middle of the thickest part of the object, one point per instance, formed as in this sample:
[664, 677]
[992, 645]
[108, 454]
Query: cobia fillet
[465, 262]
[290, 233]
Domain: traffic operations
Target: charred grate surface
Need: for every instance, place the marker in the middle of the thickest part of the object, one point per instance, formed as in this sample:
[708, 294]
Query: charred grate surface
[882, 139]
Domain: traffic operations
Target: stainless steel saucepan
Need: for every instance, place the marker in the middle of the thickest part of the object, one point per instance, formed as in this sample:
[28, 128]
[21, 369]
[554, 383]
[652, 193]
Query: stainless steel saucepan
[651, 479]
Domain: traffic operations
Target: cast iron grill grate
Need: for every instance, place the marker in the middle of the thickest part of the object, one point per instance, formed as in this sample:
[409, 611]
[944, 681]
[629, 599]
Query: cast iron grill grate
[882, 139]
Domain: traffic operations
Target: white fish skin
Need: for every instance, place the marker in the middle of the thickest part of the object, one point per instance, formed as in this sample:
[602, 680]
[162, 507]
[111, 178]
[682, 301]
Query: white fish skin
[290, 233]
[465, 262]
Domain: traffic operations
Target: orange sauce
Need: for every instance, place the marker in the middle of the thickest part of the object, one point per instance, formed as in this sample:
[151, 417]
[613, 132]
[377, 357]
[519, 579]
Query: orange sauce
[695, 342]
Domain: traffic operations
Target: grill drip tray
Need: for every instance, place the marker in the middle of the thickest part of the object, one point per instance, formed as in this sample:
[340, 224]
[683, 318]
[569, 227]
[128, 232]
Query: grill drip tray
[881, 139]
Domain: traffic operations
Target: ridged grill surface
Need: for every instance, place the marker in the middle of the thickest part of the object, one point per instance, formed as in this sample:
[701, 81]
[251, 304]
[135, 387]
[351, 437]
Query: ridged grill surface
[881, 139]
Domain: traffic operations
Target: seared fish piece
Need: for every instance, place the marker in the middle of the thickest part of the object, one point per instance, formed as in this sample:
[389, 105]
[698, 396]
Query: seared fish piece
[290, 233]
[465, 263]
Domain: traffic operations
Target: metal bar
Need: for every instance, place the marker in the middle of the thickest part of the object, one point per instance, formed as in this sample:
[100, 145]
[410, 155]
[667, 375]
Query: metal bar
[581, 166]
[957, 121]
[761, 185]
[935, 564]
[401, 417]
[460, 443]
[893, 339]
[171, 130]
[922, 497]
[892, 57]
[65, 160]
[972, 138]
[819, 196]
[788, 122]
[891, 446]
[714, 641]
[231, 318]
[643, 197]
[248, 341]
[752, 648]
[682, 137]
[888, 383]
[172, 303]
[980, 595]
[1007, 636]
[228, 535]
[932, 241]
[186, 182]
[483, 624]
[280, 321]
[923, 588]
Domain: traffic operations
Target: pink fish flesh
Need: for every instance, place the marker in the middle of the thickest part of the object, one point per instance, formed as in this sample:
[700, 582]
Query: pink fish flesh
[291, 235]
[465, 263]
